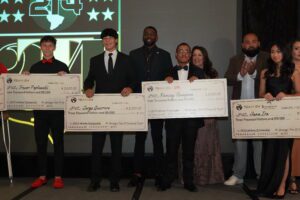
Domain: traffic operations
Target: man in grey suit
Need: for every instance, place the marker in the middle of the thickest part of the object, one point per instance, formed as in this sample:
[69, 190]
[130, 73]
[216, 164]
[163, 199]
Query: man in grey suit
[243, 74]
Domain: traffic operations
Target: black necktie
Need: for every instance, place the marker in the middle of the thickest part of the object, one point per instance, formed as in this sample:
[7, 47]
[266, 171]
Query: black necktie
[110, 64]
[180, 68]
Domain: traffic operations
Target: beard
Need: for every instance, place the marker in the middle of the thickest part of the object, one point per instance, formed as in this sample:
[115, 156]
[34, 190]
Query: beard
[251, 52]
[149, 43]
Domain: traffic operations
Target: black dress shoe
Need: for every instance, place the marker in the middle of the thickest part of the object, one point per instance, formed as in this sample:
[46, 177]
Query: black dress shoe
[164, 186]
[158, 181]
[135, 181]
[114, 187]
[190, 187]
[93, 186]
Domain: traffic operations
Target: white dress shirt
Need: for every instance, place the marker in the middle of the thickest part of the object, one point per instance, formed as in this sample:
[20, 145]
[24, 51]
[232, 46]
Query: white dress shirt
[106, 57]
[183, 74]
[248, 81]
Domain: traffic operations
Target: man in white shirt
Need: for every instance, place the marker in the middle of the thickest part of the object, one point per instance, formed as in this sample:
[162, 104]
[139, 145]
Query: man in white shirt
[182, 130]
[110, 72]
[243, 74]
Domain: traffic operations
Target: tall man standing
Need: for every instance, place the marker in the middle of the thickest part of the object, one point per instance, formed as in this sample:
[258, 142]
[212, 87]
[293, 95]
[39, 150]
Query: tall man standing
[151, 64]
[243, 74]
[111, 72]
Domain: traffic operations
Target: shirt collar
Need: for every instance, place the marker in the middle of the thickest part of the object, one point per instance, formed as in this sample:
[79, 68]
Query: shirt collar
[114, 52]
[250, 59]
[50, 60]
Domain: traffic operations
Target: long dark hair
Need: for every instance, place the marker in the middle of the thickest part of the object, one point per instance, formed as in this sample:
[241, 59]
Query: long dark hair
[286, 68]
[207, 64]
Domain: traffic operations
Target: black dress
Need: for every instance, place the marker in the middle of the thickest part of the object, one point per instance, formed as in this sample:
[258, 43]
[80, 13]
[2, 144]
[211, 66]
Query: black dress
[275, 151]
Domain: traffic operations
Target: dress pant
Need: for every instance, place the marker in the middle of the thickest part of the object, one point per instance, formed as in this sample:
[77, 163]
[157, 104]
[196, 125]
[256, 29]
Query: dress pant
[182, 131]
[240, 157]
[44, 123]
[98, 141]
[158, 149]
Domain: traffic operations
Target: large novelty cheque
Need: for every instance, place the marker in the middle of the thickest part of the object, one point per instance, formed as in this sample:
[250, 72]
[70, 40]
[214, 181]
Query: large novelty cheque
[259, 118]
[184, 99]
[106, 112]
[39, 91]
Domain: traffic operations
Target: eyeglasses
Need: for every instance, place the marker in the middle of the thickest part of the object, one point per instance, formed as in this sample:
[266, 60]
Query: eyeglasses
[181, 51]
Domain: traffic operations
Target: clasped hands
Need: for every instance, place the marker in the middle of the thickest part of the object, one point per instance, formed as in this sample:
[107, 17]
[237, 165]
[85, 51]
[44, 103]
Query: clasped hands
[247, 67]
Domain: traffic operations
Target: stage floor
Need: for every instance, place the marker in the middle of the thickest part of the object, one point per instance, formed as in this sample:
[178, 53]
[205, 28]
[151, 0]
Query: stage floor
[75, 189]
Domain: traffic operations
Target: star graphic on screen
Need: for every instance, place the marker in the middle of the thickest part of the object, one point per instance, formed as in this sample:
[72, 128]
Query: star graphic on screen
[18, 16]
[4, 1]
[18, 1]
[93, 15]
[4, 16]
[107, 14]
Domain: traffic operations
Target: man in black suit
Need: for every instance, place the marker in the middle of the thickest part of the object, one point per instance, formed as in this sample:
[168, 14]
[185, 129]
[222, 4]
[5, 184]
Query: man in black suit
[182, 130]
[151, 64]
[112, 72]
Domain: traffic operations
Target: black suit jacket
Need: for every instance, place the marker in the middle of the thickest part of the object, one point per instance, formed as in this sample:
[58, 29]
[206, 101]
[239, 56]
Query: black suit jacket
[193, 71]
[123, 75]
[159, 66]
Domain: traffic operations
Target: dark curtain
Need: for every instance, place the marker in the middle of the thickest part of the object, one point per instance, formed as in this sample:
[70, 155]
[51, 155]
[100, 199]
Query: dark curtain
[271, 20]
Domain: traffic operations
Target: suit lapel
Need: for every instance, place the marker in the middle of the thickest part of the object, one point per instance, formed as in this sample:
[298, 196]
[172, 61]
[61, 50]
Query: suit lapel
[117, 64]
[175, 74]
[190, 73]
[102, 67]
[240, 61]
[259, 62]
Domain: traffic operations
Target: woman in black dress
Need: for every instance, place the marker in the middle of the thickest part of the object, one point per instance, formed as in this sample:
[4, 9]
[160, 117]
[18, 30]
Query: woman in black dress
[277, 82]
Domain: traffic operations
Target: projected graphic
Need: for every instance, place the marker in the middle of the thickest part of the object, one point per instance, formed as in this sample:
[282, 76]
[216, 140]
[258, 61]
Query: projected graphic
[76, 24]
[63, 17]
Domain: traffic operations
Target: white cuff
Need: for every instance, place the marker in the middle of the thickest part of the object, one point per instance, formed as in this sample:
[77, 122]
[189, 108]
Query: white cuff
[239, 77]
[253, 76]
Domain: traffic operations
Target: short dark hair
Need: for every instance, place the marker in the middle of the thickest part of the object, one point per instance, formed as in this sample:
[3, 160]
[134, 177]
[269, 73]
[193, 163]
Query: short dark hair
[151, 27]
[48, 38]
[182, 44]
[109, 32]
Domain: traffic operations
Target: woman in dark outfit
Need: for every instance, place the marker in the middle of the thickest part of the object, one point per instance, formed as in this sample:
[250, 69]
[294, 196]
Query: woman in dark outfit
[276, 83]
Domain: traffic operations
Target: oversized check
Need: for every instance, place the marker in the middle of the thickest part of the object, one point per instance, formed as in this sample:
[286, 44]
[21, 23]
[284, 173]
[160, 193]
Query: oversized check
[183, 99]
[105, 112]
[259, 118]
[2, 93]
[39, 91]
